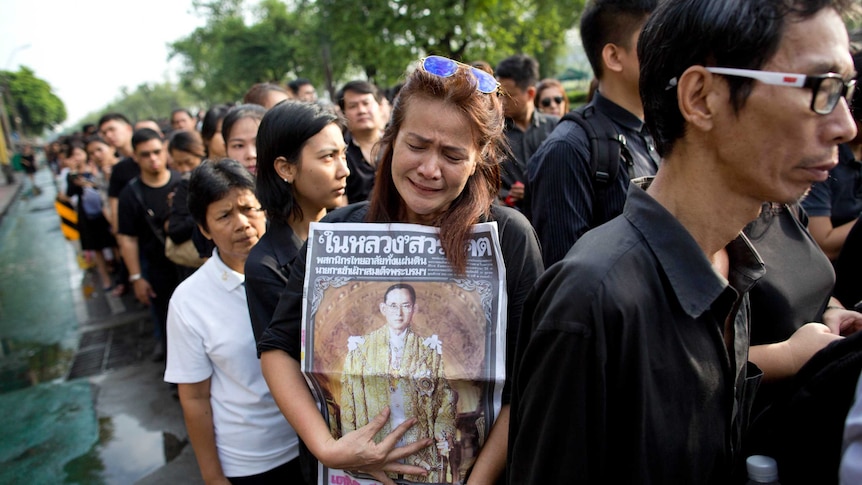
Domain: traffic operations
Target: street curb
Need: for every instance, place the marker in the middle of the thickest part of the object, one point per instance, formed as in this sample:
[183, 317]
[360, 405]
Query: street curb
[113, 321]
[15, 194]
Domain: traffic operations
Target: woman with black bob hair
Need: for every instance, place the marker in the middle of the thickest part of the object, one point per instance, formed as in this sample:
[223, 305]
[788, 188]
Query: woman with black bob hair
[439, 166]
[301, 172]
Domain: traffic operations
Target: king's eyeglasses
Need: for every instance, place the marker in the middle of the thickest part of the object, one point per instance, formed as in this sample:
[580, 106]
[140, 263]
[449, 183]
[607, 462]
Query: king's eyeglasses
[395, 307]
[826, 89]
[546, 102]
[445, 67]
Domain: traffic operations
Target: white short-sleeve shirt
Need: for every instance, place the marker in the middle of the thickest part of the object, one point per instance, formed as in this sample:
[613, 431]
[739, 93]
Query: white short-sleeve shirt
[210, 336]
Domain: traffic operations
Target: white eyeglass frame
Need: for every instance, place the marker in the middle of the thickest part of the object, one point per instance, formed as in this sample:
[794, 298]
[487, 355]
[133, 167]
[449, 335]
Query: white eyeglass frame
[767, 77]
[796, 81]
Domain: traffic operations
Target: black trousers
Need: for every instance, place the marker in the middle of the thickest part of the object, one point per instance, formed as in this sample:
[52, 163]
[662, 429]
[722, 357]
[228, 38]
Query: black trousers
[287, 474]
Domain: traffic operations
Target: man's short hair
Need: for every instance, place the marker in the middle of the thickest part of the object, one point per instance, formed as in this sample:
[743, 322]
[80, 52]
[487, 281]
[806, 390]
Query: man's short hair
[258, 93]
[520, 68]
[113, 117]
[182, 110]
[606, 22]
[742, 34]
[360, 87]
[298, 83]
[401, 286]
[144, 135]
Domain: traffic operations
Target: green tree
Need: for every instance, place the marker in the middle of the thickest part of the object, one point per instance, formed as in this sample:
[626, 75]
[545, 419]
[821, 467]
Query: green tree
[226, 56]
[534, 27]
[33, 107]
[328, 41]
[150, 101]
[386, 35]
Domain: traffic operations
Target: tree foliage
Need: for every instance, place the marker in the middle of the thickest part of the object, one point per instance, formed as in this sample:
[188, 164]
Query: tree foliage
[330, 41]
[386, 35]
[226, 56]
[146, 102]
[33, 107]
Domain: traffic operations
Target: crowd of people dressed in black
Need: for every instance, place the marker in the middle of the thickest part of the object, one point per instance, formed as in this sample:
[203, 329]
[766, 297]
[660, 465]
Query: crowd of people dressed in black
[670, 248]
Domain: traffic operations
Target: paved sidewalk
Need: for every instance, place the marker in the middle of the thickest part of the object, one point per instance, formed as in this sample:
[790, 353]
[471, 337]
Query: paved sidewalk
[80, 399]
[8, 194]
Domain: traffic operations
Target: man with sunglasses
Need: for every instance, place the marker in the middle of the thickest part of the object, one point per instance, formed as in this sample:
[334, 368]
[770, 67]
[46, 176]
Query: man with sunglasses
[637, 370]
[526, 128]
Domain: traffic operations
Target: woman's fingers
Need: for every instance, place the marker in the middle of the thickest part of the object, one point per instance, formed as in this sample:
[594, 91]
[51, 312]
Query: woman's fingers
[404, 469]
[407, 450]
[396, 434]
[377, 423]
[381, 477]
[374, 458]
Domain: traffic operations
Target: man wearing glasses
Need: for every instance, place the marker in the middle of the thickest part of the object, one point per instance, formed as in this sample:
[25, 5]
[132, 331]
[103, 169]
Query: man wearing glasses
[834, 206]
[408, 378]
[637, 369]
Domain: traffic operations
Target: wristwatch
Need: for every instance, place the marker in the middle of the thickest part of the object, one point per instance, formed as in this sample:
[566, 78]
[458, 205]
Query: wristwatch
[134, 277]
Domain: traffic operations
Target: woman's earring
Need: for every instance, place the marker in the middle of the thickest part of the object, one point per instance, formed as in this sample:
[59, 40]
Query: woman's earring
[285, 180]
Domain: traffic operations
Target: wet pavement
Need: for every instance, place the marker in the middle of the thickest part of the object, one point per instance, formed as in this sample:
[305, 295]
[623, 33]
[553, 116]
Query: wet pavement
[80, 399]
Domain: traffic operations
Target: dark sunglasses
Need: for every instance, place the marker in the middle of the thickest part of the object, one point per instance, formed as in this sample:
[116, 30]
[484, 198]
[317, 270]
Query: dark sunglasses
[547, 101]
[445, 67]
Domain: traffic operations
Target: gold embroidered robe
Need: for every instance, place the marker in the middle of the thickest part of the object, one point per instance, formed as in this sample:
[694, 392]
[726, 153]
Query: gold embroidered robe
[366, 385]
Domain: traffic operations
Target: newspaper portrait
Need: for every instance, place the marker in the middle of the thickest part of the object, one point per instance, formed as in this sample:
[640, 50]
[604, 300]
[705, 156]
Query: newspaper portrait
[387, 323]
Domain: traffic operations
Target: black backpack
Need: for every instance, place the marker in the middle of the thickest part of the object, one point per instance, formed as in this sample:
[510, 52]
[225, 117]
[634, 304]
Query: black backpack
[607, 148]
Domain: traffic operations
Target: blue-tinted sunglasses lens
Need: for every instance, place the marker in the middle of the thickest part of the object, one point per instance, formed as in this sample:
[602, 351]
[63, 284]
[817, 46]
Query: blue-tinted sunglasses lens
[487, 83]
[445, 67]
[440, 66]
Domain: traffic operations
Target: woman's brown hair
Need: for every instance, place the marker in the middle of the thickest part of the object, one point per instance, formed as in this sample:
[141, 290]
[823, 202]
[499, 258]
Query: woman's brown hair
[485, 114]
[550, 83]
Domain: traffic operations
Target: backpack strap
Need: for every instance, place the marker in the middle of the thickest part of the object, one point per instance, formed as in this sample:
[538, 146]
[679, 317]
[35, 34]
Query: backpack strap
[135, 185]
[607, 148]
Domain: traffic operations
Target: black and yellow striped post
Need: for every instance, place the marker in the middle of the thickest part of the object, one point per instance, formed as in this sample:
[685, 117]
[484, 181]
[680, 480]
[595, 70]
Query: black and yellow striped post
[68, 219]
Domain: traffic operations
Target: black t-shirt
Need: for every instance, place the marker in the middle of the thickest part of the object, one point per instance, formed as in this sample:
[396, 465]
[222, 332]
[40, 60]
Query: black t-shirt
[122, 173]
[133, 218]
[799, 277]
[29, 163]
[360, 182]
[181, 221]
[182, 226]
[266, 272]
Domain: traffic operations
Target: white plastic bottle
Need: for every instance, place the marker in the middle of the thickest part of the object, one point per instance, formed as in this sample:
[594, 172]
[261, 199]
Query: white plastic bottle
[762, 470]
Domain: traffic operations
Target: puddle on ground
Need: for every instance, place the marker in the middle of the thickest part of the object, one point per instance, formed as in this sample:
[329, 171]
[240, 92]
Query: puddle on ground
[25, 364]
[125, 453]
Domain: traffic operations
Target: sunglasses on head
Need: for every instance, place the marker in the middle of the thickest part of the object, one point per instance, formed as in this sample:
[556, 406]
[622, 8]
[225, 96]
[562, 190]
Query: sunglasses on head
[547, 101]
[445, 67]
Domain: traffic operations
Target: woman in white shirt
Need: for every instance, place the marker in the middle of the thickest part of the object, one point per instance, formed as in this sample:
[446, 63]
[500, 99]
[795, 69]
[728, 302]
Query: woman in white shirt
[238, 433]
